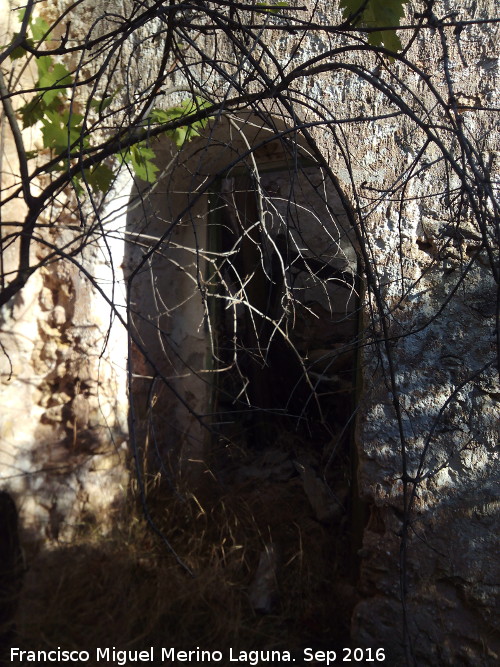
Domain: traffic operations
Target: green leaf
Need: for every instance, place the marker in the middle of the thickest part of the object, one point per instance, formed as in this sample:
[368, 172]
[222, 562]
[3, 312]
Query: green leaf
[44, 63]
[39, 29]
[185, 132]
[20, 51]
[180, 135]
[32, 112]
[54, 133]
[51, 75]
[160, 116]
[272, 7]
[140, 157]
[60, 130]
[76, 182]
[377, 13]
[100, 178]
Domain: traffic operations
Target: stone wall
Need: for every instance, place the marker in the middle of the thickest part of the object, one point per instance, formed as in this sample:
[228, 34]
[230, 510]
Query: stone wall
[437, 287]
[63, 395]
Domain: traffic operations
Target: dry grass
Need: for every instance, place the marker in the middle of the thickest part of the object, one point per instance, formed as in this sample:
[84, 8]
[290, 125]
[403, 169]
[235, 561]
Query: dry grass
[126, 590]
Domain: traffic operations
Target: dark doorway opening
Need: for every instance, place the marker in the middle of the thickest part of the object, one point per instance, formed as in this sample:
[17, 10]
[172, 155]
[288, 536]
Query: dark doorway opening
[283, 310]
[283, 304]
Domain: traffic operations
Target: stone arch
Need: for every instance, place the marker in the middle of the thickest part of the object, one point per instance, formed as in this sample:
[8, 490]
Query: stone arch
[243, 292]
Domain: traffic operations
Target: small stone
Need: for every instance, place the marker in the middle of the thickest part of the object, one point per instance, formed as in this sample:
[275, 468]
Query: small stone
[263, 590]
[58, 316]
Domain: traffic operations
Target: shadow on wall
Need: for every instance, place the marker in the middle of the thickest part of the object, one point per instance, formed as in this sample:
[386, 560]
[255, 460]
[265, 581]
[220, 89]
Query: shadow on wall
[11, 572]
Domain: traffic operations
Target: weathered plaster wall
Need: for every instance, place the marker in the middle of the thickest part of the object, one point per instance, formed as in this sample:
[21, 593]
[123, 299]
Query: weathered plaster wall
[64, 406]
[450, 415]
[63, 398]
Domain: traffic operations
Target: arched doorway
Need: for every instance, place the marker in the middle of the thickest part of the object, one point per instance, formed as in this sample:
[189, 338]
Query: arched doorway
[243, 294]
[244, 300]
